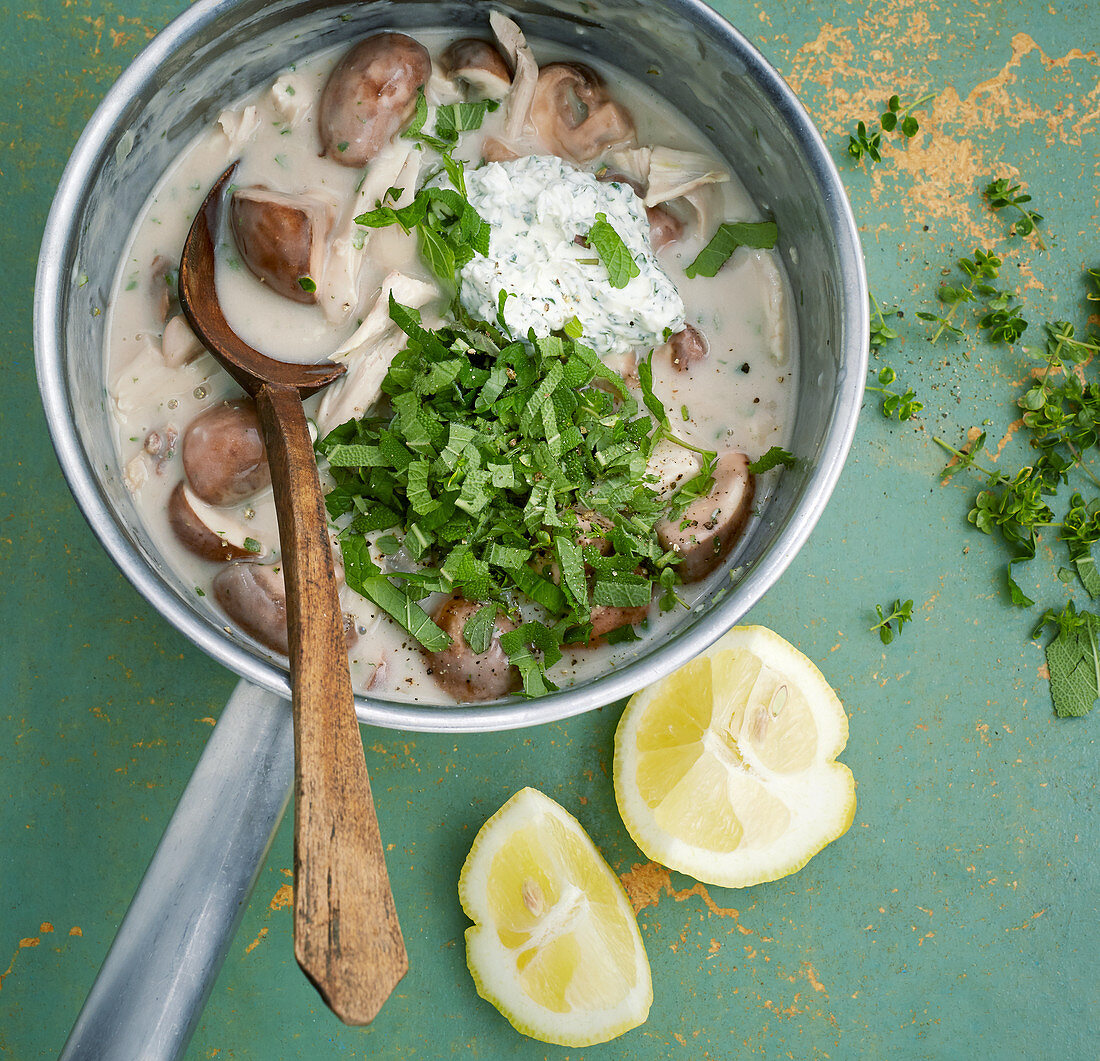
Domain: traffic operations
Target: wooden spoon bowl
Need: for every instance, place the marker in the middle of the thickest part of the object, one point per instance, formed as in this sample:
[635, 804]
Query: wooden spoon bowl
[346, 935]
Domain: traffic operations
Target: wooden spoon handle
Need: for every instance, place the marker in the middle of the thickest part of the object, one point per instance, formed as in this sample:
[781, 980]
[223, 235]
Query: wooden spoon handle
[346, 936]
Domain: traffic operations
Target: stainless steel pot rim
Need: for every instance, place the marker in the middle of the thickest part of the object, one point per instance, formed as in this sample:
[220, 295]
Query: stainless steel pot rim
[101, 131]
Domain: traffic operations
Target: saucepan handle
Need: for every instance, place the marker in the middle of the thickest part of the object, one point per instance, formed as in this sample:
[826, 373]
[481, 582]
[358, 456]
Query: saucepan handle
[157, 976]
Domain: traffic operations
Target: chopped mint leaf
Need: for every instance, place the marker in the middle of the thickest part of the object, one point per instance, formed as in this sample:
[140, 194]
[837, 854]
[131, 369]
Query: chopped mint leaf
[775, 456]
[412, 132]
[307, 283]
[497, 468]
[573, 328]
[252, 546]
[731, 235]
[477, 631]
[613, 252]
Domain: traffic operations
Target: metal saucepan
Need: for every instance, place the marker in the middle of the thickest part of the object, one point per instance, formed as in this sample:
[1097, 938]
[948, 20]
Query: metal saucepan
[171, 944]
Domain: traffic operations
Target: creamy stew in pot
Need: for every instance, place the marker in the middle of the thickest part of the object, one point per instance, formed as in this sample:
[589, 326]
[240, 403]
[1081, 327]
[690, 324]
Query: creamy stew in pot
[570, 350]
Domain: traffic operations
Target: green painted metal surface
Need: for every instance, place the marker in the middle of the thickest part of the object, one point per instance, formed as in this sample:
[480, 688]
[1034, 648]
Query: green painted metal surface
[957, 918]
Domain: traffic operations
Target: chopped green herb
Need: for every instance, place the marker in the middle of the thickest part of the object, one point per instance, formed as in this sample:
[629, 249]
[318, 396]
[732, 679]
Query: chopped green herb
[760, 235]
[252, 546]
[495, 463]
[775, 456]
[307, 283]
[613, 252]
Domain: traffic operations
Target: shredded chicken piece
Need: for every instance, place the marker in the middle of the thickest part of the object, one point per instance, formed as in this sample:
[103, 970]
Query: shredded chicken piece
[368, 353]
[396, 166]
[239, 127]
[525, 73]
[292, 98]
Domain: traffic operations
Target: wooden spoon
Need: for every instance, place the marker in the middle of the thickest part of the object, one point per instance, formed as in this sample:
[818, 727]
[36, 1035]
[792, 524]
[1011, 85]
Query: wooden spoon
[346, 936]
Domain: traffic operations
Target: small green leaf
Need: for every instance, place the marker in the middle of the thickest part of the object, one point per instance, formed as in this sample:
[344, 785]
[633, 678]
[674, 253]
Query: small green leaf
[613, 252]
[760, 235]
[775, 456]
[477, 631]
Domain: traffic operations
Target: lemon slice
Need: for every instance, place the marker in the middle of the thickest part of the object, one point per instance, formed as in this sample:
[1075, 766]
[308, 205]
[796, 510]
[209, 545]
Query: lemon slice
[726, 770]
[554, 945]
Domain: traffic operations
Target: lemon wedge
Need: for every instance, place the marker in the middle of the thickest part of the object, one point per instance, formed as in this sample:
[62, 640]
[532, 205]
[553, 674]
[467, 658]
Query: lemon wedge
[555, 945]
[726, 770]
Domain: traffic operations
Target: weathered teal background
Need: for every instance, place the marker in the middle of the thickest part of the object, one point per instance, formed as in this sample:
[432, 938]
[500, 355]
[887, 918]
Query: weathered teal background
[957, 918]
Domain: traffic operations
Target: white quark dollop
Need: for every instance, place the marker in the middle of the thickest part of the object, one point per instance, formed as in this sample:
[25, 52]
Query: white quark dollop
[536, 206]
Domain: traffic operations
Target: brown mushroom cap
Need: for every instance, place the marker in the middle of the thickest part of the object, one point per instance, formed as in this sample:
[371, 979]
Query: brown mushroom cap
[254, 597]
[460, 671]
[281, 238]
[478, 67]
[370, 96]
[605, 618]
[574, 115]
[663, 227]
[709, 527]
[687, 347]
[224, 456]
[194, 535]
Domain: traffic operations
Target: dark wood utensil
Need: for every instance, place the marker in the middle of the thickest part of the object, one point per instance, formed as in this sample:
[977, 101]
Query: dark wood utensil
[346, 936]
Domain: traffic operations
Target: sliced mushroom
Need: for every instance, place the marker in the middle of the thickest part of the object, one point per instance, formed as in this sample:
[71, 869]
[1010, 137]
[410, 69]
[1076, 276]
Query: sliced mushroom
[478, 68]
[460, 671]
[605, 619]
[687, 347]
[370, 96]
[224, 456]
[710, 525]
[494, 150]
[574, 115]
[194, 534]
[281, 238]
[180, 345]
[254, 597]
[663, 227]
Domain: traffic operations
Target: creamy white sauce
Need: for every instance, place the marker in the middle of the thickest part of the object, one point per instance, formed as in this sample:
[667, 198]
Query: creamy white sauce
[536, 206]
[740, 397]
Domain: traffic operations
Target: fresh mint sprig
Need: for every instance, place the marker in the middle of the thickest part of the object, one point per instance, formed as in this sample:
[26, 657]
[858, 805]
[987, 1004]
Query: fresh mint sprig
[760, 235]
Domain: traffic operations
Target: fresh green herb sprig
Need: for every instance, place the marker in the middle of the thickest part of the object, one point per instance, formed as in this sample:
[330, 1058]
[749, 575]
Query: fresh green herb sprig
[451, 119]
[903, 406]
[979, 271]
[899, 615]
[1000, 195]
[508, 471]
[760, 235]
[881, 332]
[449, 230]
[866, 141]
[1073, 659]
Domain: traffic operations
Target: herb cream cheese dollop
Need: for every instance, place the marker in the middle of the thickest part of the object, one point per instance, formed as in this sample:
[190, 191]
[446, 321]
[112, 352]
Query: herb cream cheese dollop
[536, 206]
